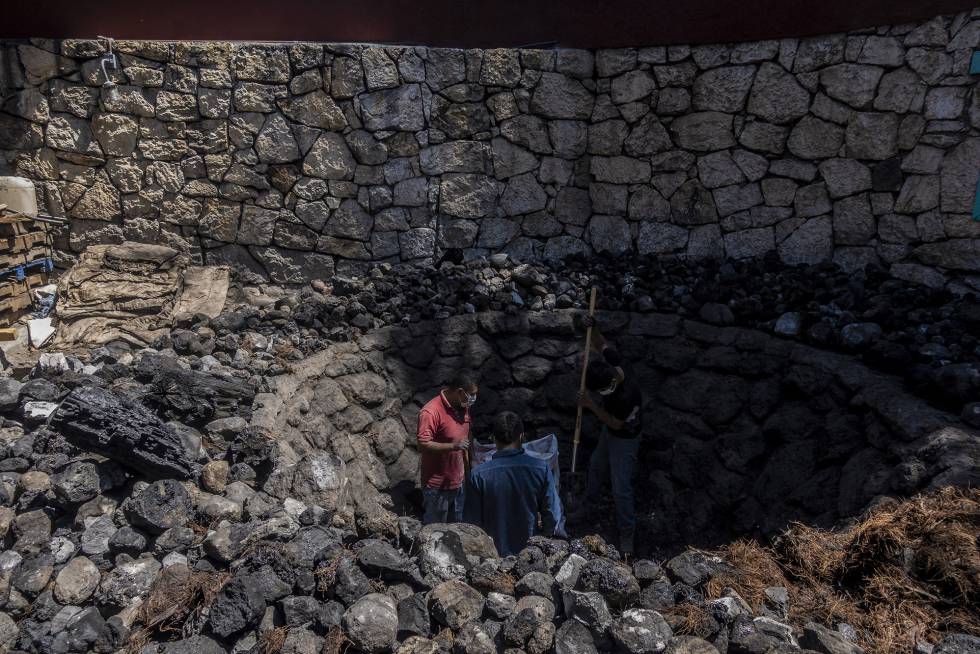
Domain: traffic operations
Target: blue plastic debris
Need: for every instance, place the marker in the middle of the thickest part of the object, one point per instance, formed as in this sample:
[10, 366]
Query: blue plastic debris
[46, 265]
[976, 203]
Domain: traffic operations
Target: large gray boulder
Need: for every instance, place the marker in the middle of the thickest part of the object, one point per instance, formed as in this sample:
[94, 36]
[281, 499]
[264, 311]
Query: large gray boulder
[450, 550]
[371, 623]
[640, 631]
[573, 637]
[8, 632]
[958, 644]
[613, 580]
[240, 604]
[160, 506]
[77, 581]
[130, 579]
[588, 608]
[76, 483]
[474, 639]
[454, 603]
[821, 639]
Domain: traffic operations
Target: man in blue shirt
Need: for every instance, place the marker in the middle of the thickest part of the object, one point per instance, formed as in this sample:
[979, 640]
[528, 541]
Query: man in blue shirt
[506, 495]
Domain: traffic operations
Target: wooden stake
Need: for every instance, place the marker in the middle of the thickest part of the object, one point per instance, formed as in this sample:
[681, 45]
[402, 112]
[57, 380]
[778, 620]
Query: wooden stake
[581, 386]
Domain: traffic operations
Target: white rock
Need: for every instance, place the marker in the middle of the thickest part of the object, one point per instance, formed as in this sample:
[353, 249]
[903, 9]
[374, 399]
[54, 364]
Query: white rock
[174, 558]
[293, 507]
[39, 410]
[61, 548]
[568, 573]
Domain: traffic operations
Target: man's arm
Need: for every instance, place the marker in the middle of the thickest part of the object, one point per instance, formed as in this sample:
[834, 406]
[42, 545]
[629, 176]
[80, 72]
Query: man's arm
[598, 342]
[432, 446]
[426, 432]
[549, 505]
[614, 423]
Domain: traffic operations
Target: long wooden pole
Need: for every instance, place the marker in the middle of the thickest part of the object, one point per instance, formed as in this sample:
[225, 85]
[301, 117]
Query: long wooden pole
[581, 386]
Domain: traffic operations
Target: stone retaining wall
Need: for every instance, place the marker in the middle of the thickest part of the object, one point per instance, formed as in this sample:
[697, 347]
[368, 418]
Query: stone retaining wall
[298, 160]
[743, 432]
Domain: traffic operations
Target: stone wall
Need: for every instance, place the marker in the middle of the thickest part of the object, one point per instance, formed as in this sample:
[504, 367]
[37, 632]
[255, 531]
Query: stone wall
[743, 432]
[298, 160]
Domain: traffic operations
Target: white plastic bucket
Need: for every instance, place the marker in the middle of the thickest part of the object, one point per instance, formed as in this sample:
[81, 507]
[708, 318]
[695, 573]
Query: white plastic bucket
[18, 194]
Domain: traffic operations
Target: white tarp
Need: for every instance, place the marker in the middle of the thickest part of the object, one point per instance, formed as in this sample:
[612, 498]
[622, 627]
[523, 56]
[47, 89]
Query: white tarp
[544, 448]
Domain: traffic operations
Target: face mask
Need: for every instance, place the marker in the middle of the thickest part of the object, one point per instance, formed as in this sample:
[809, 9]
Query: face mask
[608, 391]
[470, 399]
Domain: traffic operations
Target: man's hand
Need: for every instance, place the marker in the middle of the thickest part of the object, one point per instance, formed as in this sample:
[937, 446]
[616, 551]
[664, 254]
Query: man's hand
[598, 343]
[462, 445]
[585, 400]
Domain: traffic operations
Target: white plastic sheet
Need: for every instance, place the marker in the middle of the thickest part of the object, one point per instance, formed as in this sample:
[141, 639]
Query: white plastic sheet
[544, 448]
[40, 331]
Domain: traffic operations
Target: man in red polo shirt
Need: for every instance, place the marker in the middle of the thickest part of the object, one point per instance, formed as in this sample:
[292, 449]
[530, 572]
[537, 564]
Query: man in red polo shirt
[444, 443]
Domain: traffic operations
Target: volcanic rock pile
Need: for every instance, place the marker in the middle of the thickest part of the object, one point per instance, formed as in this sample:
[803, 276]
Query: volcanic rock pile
[99, 560]
[145, 508]
[200, 561]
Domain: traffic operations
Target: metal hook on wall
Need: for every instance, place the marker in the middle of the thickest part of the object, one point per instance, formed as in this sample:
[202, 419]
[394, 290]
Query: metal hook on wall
[109, 60]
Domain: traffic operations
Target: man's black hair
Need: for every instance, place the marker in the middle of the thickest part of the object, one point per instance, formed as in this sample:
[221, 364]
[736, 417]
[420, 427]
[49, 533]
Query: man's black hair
[599, 376]
[507, 428]
[464, 379]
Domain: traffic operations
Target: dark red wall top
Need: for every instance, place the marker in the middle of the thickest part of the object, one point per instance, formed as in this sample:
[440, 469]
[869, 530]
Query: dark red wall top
[462, 23]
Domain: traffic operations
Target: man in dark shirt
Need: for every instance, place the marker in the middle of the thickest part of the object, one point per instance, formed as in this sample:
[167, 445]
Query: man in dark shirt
[619, 409]
[505, 495]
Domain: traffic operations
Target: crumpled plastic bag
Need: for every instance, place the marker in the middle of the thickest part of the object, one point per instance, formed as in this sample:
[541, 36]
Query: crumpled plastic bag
[544, 448]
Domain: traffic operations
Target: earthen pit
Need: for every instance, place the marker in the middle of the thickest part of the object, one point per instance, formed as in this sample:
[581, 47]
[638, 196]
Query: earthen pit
[745, 432]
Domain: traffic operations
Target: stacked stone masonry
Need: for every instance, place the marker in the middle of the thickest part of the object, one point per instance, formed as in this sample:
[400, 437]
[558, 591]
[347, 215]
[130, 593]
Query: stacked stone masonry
[298, 160]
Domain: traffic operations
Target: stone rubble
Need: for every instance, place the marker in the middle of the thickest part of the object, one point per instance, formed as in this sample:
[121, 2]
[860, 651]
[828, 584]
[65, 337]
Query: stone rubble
[105, 515]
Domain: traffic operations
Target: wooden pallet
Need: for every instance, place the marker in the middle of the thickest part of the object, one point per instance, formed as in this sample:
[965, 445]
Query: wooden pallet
[15, 224]
[16, 302]
[14, 287]
[15, 244]
[25, 257]
[11, 309]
